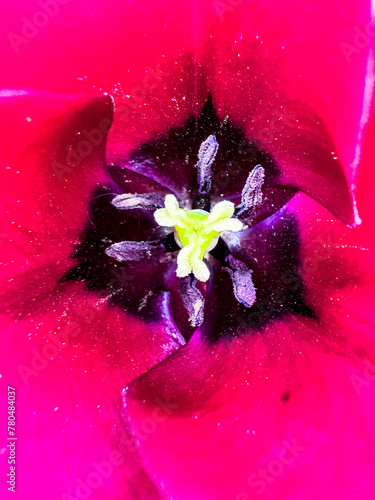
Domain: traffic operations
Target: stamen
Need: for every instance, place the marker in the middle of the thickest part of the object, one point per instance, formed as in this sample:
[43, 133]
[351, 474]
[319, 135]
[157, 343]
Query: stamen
[193, 300]
[131, 250]
[206, 157]
[243, 286]
[147, 201]
[252, 191]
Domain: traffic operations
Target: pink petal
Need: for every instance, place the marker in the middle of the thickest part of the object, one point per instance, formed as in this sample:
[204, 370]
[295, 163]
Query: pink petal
[68, 365]
[286, 414]
[337, 263]
[304, 53]
[222, 392]
[293, 90]
[294, 73]
[52, 154]
[65, 350]
[91, 46]
[279, 403]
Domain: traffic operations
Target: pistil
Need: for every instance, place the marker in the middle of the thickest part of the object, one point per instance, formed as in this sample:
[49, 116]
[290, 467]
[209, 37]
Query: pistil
[196, 232]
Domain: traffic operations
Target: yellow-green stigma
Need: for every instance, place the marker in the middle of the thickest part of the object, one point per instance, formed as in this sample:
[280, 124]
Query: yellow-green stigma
[197, 232]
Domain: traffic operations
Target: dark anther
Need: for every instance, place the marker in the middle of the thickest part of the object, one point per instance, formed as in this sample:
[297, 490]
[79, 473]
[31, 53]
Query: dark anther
[202, 202]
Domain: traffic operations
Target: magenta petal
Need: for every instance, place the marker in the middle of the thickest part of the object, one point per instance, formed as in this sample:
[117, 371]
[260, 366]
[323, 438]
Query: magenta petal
[63, 348]
[295, 136]
[277, 402]
[292, 407]
[68, 365]
[297, 65]
[52, 156]
[68, 55]
[271, 66]
[268, 414]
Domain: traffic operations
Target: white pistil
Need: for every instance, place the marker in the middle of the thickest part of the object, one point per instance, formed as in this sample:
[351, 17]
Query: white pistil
[197, 232]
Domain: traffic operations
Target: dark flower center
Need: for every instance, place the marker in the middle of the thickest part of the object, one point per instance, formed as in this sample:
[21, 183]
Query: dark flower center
[246, 280]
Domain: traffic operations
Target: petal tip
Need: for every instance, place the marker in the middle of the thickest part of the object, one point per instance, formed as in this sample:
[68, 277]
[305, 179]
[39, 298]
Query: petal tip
[357, 221]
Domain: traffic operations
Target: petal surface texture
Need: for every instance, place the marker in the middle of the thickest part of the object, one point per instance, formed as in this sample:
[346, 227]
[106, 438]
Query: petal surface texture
[65, 350]
[276, 400]
[290, 404]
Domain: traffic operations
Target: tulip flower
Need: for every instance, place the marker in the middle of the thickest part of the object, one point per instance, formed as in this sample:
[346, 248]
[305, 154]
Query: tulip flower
[187, 250]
